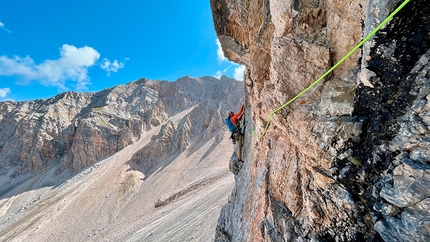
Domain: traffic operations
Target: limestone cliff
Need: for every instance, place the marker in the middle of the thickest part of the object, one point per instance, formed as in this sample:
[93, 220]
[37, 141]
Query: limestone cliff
[350, 160]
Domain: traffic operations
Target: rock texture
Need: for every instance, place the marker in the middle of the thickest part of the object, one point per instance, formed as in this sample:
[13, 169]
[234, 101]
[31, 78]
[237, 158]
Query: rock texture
[348, 161]
[121, 164]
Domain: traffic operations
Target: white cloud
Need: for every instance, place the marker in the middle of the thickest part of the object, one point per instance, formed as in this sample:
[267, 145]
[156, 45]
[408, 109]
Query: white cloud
[72, 65]
[5, 29]
[238, 72]
[218, 74]
[219, 52]
[4, 92]
[111, 66]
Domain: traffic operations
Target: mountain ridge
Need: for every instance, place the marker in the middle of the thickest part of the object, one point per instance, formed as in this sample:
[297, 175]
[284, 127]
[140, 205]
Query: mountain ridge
[78, 166]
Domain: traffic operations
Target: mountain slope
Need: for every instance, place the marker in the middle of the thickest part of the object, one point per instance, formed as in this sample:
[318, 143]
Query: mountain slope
[115, 165]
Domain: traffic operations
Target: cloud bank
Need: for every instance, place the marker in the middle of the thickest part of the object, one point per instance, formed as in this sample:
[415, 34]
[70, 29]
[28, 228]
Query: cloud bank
[73, 65]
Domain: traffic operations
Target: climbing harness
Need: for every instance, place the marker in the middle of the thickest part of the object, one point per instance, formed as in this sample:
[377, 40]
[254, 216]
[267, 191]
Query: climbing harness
[237, 137]
[331, 69]
[235, 130]
[234, 137]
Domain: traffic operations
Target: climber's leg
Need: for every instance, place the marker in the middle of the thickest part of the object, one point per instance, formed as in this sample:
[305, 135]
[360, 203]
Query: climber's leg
[239, 147]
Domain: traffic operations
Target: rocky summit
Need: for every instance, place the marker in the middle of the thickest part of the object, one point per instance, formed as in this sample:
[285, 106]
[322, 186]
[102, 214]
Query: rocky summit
[350, 159]
[145, 161]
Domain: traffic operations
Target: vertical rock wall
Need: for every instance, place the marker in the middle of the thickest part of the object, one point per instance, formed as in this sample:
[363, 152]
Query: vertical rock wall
[350, 159]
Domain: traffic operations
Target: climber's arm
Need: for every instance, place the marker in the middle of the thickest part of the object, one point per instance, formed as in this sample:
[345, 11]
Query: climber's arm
[238, 115]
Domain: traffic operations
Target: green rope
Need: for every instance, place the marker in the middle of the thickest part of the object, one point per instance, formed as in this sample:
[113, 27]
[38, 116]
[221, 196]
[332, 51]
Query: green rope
[334, 67]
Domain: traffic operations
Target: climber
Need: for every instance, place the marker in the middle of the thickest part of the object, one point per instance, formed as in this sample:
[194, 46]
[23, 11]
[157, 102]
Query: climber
[233, 123]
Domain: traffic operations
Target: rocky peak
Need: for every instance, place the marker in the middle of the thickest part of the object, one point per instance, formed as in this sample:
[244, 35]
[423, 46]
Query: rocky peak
[337, 164]
[74, 130]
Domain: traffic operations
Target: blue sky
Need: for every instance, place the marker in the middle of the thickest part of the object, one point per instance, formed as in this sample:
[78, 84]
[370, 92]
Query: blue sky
[51, 46]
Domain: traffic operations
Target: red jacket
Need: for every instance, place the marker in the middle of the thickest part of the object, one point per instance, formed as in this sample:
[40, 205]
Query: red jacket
[237, 116]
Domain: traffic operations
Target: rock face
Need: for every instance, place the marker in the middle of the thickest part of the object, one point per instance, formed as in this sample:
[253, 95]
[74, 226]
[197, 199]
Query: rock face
[349, 160]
